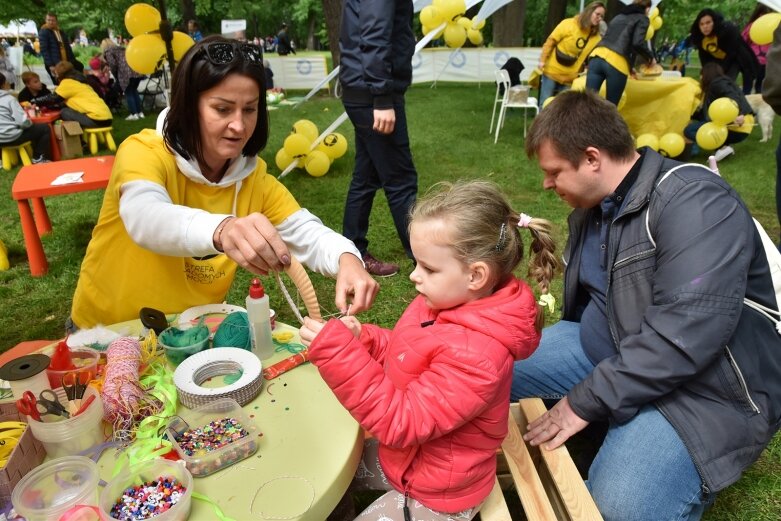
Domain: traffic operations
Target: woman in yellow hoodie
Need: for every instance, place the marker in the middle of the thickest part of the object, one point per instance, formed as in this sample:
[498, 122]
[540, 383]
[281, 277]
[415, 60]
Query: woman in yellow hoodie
[81, 102]
[567, 48]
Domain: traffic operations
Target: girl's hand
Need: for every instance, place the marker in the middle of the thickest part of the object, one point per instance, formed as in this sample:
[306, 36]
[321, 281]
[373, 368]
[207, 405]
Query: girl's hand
[740, 120]
[253, 242]
[352, 324]
[310, 330]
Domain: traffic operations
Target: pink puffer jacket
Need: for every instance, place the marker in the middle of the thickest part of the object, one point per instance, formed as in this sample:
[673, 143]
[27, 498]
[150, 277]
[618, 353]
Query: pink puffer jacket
[435, 390]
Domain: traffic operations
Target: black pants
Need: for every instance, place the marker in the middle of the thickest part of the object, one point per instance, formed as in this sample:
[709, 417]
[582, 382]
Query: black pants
[40, 136]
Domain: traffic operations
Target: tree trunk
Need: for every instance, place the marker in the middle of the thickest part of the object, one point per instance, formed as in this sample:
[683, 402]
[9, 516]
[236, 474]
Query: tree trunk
[311, 42]
[557, 10]
[188, 13]
[332, 9]
[508, 24]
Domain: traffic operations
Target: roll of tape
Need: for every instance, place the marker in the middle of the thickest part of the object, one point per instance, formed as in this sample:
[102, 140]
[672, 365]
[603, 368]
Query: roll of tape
[195, 370]
[26, 373]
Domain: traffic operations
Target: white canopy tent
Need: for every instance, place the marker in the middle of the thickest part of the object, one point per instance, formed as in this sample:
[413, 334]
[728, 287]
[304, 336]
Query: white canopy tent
[19, 29]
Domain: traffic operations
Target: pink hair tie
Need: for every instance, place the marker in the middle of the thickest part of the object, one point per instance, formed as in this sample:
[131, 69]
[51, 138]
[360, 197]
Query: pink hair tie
[524, 221]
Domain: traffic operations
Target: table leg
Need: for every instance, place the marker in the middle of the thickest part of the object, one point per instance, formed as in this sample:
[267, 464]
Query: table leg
[53, 143]
[32, 241]
[42, 221]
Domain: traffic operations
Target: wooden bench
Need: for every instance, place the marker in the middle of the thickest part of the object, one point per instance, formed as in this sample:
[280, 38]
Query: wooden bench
[547, 482]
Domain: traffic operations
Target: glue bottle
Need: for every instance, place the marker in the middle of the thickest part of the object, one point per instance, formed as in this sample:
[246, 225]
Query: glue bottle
[259, 321]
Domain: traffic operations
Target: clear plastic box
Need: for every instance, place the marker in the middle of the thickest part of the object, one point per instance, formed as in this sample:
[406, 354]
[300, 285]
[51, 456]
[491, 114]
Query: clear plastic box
[201, 462]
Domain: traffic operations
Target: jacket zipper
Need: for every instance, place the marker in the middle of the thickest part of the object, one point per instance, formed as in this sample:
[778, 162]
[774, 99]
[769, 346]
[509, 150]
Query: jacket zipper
[636, 256]
[407, 515]
[703, 486]
[742, 380]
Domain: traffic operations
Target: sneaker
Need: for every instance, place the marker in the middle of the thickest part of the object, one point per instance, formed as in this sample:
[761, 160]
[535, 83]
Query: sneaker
[140, 115]
[40, 159]
[379, 268]
[131, 117]
[723, 152]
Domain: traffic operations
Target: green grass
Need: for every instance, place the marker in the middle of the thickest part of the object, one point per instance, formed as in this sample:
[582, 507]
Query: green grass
[449, 135]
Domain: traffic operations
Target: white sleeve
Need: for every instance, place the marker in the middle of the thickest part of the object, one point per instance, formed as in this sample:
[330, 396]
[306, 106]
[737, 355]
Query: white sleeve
[313, 243]
[155, 223]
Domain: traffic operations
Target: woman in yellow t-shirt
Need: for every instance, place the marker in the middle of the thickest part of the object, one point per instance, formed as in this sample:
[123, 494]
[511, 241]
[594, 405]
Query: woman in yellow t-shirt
[190, 202]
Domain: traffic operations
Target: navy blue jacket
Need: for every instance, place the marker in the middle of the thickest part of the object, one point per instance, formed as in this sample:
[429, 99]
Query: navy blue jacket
[50, 47]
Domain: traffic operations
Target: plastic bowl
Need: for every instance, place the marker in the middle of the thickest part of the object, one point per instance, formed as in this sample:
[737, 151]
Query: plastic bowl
[177, 354]
[85, 360]
[51, 489]
[67, 437]
[144, 472]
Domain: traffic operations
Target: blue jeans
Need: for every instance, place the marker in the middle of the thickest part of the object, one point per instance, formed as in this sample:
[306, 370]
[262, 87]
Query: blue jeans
[132, 97]
[381, 161]
[600, 71]
[549, 87]
[642, 470]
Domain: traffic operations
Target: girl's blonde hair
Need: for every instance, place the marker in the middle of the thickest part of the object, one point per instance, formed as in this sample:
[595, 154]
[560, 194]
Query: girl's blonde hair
[584, 18]
[484, 227]
[107, 43]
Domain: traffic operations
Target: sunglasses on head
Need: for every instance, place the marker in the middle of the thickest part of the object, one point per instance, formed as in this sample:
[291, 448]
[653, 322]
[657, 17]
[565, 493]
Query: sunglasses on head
[223, 53]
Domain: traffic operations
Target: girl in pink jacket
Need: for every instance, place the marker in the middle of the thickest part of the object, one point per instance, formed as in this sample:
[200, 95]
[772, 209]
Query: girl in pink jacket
[434, 391]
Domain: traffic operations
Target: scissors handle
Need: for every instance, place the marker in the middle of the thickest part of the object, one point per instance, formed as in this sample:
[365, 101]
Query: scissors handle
[28, 406]
[49, 400]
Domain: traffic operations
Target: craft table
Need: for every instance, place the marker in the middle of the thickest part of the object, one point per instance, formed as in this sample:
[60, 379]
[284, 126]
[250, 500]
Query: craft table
[657, 106]
[35, 182]
[49, 118]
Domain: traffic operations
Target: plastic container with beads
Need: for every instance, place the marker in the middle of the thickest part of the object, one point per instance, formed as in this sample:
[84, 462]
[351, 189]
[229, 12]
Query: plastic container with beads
[213, 436]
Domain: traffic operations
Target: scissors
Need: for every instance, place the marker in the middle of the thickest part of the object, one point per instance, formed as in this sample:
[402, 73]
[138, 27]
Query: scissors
[28, 405]
[75, 384]
[48, 400]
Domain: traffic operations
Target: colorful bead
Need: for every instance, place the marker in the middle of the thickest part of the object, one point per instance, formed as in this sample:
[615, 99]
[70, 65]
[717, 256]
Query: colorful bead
[147, 500]
[215, 435]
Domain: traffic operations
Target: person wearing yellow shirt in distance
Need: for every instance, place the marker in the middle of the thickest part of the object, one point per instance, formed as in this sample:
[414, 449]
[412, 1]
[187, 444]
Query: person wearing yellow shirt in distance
[567, 48]
[81, 102]
[190, 202]
[611, 61]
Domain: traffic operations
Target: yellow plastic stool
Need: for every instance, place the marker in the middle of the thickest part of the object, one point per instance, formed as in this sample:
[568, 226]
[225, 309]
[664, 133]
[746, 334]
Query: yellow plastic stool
[13, 153]
[100, 134]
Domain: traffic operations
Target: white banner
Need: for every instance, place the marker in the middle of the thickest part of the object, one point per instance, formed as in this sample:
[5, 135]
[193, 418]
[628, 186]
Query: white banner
[231, 26]
[293, 72]
[469, 65]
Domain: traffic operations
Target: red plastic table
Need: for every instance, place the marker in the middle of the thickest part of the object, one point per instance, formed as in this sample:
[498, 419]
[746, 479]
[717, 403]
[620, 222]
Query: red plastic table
[34, 182]
[49, 118]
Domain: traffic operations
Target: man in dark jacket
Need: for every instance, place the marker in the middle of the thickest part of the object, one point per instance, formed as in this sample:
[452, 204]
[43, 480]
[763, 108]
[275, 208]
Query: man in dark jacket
[655, 336]
[376, 46]
[55, 46]
[284, 47]
[771, 93]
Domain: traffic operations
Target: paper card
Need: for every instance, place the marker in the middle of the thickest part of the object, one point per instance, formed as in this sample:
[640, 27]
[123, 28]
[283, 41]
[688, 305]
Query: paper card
[69, 178]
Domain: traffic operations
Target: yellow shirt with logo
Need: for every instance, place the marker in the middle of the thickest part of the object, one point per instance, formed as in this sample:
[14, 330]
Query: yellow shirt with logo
[118, 277]
[572, 40]
[613, 58]
[83, 98]
[710, 44]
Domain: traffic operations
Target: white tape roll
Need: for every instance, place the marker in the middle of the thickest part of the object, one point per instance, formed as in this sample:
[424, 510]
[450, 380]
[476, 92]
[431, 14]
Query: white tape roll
[195, 370]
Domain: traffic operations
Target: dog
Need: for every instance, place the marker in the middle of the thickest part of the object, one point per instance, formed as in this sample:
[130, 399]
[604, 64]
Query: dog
[764, 114]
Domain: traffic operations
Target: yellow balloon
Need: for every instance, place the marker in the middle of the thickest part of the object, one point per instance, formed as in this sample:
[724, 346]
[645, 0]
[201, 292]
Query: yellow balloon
[455, 36]
[671, 144]
[479, 25]
[656, 23]
[306, 128]
[475, 36]
[548, 101]
[723, 111]
[464, 22]
[430, 16]
[650, 32]
[317, 163]
[334, 145]
[144, 52]
[180, 44]
[711, 136]
[762, 29]
[282, 159]
[654, 13]
[141, 18]
[297, 146]
[451, 9]
[647, 140]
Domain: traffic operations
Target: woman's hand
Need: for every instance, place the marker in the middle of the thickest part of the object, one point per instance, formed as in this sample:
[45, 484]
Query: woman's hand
[352, 324]
[555, 426]
[253, 242]
[353, 282]
[309, 330]
[740, 120]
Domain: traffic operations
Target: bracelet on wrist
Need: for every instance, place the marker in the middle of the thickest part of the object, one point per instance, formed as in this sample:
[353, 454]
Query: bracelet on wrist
[218, 234]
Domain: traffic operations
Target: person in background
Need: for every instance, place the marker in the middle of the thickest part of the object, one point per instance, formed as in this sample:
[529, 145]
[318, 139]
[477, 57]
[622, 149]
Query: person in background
[33, 87]
[433, 391]
[128, 79]
[194, 30]
[37, 46]
[771, 93]
[377, 44]
[284, 46]
[716, 84]
[191, 202]
[7, 68]
[718, 40]
[81, 102]
[16, 127]
[612, 60]
[760, 51]
[55, 46]
[655, 335]
[566, 49]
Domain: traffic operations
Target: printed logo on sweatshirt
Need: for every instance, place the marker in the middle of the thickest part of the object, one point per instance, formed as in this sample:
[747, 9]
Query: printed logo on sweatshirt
[201, 274]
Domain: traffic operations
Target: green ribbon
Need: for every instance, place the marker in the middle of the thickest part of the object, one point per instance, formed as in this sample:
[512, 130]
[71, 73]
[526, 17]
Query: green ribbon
[217, 510]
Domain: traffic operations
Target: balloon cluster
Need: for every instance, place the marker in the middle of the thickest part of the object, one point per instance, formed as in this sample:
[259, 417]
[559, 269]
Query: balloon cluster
[147, 49]
[669, 145]
[458, 28]
[656, 23]
[761, 32]
[298, 146]
[713, 134]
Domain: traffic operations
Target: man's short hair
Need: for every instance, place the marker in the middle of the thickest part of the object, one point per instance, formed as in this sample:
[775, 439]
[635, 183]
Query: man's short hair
[576, 120]
[29, 75]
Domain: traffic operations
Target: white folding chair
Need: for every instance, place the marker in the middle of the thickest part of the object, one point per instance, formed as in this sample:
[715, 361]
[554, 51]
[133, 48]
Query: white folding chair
[507, 100]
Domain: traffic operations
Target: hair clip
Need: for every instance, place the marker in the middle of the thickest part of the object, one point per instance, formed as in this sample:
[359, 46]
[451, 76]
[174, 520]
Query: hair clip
[502, 238]
[524, 220]
[546, 299]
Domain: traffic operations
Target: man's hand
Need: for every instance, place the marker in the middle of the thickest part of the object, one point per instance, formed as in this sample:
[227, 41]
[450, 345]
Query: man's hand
[254, 243]
[384, 120]
[353, 282]
[555, 426]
